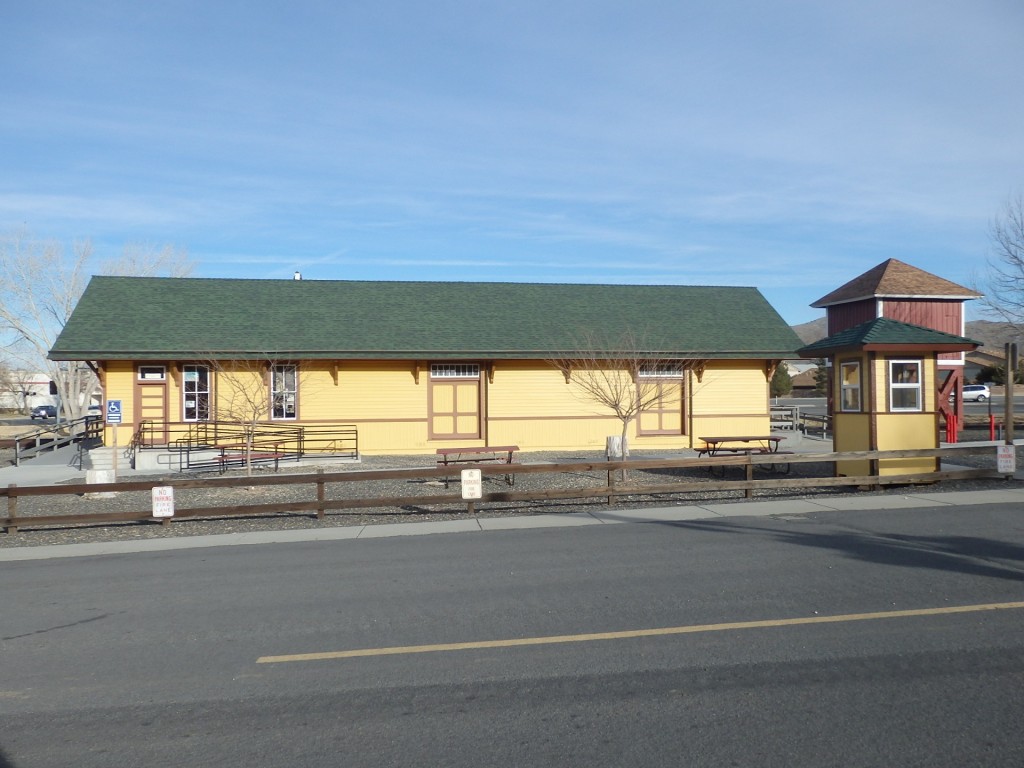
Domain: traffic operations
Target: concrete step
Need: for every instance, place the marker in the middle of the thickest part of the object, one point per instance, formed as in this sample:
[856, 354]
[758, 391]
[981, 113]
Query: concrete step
[99, 458]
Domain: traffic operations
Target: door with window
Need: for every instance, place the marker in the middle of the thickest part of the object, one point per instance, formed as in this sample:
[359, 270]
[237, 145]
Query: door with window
[151, 403]
[454, 401]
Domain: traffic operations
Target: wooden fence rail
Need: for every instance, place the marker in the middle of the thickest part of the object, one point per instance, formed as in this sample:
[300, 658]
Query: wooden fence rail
[318, 505]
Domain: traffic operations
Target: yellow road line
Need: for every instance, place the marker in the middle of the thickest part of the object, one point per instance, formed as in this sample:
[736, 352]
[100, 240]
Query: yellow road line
[634, 633]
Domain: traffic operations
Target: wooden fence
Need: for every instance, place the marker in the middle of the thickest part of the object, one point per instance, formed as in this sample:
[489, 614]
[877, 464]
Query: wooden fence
[317, 504]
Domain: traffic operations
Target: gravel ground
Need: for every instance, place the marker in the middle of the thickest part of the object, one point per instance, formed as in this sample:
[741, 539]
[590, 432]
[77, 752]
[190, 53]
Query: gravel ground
[241, 496]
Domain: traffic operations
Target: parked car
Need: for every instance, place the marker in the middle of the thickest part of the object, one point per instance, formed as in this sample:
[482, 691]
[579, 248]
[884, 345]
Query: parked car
[978, 392]
[44, 412]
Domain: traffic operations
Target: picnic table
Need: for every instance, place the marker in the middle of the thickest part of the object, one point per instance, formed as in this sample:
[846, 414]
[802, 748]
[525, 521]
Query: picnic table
[493, 454]
[751, 444]
[715, 446]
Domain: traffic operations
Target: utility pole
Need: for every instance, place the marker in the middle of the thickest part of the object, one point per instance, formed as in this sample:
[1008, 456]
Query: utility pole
[1011, 373]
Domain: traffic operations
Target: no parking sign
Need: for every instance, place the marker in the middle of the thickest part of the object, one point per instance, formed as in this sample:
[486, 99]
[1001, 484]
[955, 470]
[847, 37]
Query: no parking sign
[1006, 459]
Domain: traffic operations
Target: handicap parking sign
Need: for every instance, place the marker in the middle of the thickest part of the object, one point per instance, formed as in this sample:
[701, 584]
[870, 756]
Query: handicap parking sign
[113, 411]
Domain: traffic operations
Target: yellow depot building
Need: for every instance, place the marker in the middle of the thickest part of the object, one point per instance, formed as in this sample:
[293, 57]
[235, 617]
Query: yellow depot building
[408, 367]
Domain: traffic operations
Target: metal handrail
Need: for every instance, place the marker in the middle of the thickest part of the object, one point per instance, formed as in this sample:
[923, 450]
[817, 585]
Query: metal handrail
[192, 441]
[50, 438]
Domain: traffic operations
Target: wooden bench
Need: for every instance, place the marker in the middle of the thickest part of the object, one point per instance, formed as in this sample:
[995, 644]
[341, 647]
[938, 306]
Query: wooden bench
[484, 454]
[256, 454]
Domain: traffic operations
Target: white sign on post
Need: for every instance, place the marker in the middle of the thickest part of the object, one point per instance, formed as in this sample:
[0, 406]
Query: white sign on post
[472, 484]
[163, 501]
[1006, 459]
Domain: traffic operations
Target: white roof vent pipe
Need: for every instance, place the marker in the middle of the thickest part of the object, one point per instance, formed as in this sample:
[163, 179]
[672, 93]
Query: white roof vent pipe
[297, 276]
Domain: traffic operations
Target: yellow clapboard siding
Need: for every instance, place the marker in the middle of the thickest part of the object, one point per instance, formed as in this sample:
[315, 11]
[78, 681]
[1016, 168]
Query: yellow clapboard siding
[527, 403]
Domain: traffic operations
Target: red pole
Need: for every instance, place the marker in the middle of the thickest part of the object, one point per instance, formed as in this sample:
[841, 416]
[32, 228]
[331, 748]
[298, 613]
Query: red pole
[991, 426]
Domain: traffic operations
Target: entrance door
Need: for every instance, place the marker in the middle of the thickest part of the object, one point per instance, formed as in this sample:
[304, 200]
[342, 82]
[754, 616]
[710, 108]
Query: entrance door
[455, 402]
[151, 406]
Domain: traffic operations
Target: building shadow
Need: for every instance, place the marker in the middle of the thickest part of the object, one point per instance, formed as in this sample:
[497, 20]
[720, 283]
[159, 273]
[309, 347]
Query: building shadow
[968, 555]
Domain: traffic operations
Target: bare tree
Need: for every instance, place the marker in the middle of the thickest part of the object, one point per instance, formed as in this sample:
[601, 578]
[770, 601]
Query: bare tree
[1004, 283]
[624, 376]
[250, 393]
[40, 284]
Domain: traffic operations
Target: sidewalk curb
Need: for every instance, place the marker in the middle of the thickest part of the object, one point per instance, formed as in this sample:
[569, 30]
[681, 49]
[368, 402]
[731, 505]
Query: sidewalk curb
[682, 513]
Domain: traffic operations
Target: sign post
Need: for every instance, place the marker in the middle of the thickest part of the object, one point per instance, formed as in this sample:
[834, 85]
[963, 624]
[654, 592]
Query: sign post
[1006, 459]
[114, 420]
[163, 503]
[472, 487]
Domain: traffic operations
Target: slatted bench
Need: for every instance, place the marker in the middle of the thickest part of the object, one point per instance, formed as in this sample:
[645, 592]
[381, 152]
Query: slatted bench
[484, 454]
[256, 455]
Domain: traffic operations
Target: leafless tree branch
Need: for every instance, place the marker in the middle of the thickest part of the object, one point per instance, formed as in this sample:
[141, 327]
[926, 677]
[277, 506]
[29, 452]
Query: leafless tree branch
[618, 374]
[40, 284]
[1004, 283]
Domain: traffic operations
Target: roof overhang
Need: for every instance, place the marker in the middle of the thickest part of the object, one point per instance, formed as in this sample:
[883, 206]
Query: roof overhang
[903, 296]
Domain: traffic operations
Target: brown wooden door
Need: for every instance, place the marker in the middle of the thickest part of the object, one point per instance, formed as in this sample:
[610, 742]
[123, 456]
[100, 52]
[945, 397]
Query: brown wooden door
[151, 406]
[455, 409]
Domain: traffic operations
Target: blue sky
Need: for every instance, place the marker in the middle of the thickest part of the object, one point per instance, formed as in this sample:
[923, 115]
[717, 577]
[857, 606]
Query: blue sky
[786, 145]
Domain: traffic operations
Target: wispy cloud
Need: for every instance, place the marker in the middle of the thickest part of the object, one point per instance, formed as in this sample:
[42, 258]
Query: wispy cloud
[790, 146]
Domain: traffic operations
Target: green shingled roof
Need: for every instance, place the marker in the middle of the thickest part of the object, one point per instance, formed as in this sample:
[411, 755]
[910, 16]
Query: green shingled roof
[883, 332]
[182, 318]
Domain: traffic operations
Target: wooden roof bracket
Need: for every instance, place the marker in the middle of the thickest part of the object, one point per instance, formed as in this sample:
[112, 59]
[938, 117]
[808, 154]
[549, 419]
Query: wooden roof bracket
[490, 373]
[699, 366]
[100, 371]
[416, 367]
[334, 371]
[770, 366]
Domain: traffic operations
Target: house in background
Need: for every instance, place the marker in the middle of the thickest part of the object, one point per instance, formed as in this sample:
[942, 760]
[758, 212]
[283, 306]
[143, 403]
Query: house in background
[413, 366]
[24, 390]
[980, 359]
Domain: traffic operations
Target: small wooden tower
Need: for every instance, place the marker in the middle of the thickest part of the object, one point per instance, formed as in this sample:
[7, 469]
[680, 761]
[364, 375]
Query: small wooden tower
[900, 292]
[883, 391]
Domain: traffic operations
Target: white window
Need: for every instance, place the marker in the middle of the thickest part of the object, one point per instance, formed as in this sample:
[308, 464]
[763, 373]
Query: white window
[849, 386]
[195, 393]
[905, 385]
[284, 390]
[670, 370]
[152, 373]
[455, 371]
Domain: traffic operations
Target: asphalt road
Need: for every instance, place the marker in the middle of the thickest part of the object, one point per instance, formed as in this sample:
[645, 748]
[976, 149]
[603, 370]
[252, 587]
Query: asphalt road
[604, 646]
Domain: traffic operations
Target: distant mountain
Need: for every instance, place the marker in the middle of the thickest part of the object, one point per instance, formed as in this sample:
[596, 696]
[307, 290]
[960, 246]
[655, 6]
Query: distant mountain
[993, 334]
[990, 334]
[812, 331]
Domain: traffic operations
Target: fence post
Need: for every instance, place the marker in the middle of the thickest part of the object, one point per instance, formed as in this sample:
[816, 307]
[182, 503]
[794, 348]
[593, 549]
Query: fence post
[12, 507]
[320, 493]
[749, 492]
[615, 450]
